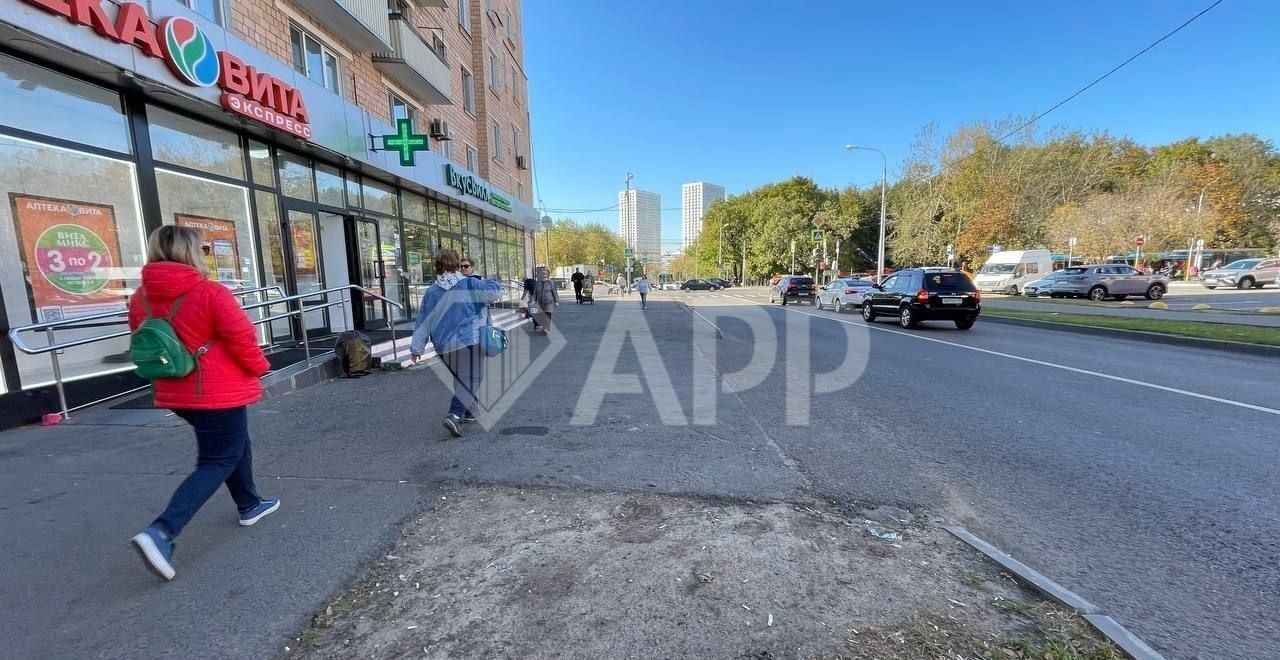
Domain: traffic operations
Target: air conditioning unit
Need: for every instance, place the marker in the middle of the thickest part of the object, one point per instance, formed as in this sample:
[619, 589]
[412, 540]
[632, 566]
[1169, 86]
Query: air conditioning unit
[439, 129]
[522, 163]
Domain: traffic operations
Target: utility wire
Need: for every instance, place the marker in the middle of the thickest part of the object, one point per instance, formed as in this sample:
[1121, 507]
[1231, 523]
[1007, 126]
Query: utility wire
[1086, 88]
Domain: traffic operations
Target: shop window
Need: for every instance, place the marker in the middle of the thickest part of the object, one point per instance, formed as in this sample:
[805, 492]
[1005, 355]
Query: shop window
[475, 252]
[329, 186]
[419, 262]
[414, 206]
[72, 244]
[272, 257]
[354, 198]
[38, 100]
[221, 212]
[180, 141]
[379, 197]
[296, 178]
[264, 172]
[473, 224]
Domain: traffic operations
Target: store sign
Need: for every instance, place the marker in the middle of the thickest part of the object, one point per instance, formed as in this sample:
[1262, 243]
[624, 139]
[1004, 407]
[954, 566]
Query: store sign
[193, 59]
[470, 185]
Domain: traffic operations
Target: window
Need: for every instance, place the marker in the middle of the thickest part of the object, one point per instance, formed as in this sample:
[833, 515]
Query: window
[189, 143]
[314, 60]
[400, 109]
[210, 9]
[468, 91]
[520, 190]
[497, 142]
[511, 25]
[515, 141]
[464, 15]
[44, 102]
[515, 84]
[495, 73]
[445, 146]
[473, 158]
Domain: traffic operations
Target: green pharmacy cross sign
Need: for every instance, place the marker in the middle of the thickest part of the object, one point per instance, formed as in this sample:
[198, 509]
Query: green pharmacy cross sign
[405, 141]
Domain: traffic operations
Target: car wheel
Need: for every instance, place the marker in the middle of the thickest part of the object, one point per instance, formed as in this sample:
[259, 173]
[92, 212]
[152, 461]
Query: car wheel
[818, 304]
[838, 305]
[1012, 290]
[868, 314]
[1244, 283]
[1211, 288]
[964, 324]
[1098, 294]
[906, 318]
[1155, 292]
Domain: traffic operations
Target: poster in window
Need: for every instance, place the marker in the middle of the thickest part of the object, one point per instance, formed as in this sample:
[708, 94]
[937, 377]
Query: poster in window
[304, 249]
[218, 247]
[71, 256]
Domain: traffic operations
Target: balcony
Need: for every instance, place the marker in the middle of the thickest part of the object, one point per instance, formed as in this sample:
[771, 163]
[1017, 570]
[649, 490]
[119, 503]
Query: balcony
[415, 66]
[362, 23]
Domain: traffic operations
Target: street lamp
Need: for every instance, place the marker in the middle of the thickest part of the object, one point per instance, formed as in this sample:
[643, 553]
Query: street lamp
[884, 185]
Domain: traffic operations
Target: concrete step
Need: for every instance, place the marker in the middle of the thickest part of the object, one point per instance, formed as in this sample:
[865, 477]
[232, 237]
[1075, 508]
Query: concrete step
[507, 319]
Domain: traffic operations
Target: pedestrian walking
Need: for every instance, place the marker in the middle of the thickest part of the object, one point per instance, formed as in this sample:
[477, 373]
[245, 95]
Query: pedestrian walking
[643, 288]
[178, 308]
[622, 284]
[451, 315]
[544, 299]
[577, 279]
[530, 310]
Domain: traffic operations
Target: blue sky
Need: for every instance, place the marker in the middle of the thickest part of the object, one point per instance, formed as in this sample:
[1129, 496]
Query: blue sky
[744, 93]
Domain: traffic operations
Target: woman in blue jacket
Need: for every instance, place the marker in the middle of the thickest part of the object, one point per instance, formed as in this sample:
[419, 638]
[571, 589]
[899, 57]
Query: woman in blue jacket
[450, 317]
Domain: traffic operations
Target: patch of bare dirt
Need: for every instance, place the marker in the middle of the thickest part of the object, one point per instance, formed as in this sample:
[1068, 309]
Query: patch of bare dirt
[508, 573]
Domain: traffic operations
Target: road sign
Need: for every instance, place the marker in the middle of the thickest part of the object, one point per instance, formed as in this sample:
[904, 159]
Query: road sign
[1071, 241]
[1200, 244]
[817, 235]
[629, 252]
[1140, 241]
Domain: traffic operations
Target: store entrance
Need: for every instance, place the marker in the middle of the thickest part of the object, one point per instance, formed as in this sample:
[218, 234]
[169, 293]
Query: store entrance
[365, 258]
[304, 256]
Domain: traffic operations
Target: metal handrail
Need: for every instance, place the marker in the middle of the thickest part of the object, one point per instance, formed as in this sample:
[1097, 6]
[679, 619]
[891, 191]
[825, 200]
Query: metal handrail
[53, 348]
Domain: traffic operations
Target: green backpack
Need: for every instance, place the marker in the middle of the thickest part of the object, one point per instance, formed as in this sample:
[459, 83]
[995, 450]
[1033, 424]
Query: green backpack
[156, 349]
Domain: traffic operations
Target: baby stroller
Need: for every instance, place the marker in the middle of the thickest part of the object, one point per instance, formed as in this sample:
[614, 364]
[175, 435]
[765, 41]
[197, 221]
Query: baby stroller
[587, 298]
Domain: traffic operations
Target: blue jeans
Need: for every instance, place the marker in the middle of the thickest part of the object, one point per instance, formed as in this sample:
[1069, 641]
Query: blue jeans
[223, 457]
[644, 299]
[467, 366]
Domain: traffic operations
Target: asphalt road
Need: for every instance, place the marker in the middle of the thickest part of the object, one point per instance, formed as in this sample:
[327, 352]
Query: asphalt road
[1141, 476]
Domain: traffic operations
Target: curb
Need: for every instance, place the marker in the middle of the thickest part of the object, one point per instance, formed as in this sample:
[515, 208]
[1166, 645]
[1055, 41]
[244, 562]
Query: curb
[1141, 335]
[1109, 627]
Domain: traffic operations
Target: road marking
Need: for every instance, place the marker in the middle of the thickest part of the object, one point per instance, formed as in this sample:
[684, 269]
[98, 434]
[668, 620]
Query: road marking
[1053, 365]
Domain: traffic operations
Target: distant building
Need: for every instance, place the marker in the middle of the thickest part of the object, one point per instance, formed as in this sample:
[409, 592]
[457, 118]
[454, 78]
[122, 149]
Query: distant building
[640, 222]
[695, 199]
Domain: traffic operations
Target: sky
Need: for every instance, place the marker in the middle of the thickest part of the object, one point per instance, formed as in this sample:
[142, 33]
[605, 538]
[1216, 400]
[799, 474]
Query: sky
[743, 93]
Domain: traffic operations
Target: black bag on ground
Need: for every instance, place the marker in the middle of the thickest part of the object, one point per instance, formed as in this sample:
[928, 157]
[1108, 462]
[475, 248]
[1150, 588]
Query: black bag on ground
[355, 354]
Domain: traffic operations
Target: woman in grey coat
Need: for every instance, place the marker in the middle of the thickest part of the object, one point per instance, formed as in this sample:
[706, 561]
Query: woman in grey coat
[542, 301]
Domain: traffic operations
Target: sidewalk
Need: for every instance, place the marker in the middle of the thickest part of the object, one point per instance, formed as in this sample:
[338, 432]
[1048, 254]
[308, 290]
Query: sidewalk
[351, 461]
[1138, 310]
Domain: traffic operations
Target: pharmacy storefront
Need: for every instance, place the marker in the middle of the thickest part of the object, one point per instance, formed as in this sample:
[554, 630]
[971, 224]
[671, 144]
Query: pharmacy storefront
[118, 119]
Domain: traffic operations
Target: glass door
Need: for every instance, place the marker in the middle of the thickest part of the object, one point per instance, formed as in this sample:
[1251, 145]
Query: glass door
[369, 272]
[304, 267]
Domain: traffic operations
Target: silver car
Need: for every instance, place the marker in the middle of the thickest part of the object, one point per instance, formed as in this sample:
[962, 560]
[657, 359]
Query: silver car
[1243, 274]
[1101, 281]
[1040, 287]
[844, 293]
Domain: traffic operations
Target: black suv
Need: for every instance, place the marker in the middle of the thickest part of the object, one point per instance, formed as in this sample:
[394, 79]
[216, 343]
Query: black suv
[925, 294]
[792, 287]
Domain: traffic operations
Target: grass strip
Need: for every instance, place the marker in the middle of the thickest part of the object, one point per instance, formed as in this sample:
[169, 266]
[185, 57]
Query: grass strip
[1249, 334]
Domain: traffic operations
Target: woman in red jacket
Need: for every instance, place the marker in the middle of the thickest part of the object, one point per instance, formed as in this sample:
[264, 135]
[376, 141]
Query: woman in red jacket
[214, 397]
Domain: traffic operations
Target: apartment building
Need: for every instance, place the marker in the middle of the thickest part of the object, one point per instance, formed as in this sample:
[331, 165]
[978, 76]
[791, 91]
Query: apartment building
[273, 126]
[695, 199]
[640, 222]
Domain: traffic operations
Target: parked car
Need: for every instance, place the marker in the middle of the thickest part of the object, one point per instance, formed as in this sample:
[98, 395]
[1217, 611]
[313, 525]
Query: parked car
[1011, 270]
[670, 286]
[1243, 274]
[844, 293]
[917, 294]
[792, 287]
[1040, 287]
[699, 285]
[1101, 281]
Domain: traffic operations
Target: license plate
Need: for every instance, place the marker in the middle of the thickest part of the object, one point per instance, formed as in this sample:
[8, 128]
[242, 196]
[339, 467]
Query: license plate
[952, 301]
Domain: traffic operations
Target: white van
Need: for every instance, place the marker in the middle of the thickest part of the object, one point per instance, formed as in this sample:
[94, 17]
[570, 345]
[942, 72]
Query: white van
[1008, 271]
